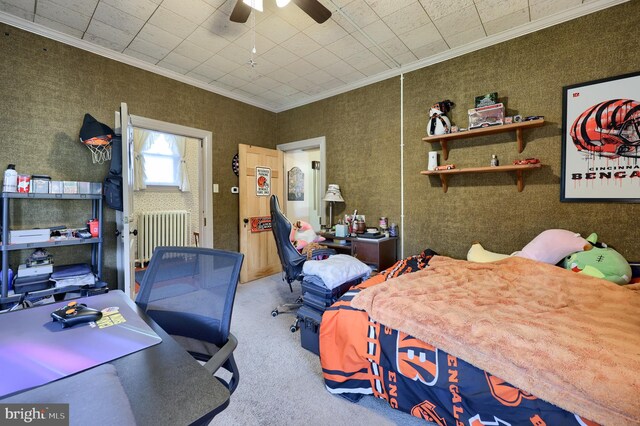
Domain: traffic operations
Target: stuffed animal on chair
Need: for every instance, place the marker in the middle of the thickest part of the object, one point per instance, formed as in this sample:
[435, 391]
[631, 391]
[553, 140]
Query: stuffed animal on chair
[302, 234]
[439, 123]
[600, 261]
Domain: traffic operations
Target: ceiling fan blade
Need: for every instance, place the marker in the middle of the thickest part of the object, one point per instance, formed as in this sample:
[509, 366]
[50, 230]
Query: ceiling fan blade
[314, 9]
[240, 13]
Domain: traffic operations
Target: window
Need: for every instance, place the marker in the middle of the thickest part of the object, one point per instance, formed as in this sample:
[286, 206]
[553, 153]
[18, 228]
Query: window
[161, 164]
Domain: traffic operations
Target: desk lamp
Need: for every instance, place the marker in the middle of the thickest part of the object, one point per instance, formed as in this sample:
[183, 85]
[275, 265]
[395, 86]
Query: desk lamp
[333, 196]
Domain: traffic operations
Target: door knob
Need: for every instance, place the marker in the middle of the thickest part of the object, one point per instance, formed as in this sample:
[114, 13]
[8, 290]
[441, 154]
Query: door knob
[117, 233]
[134, 232]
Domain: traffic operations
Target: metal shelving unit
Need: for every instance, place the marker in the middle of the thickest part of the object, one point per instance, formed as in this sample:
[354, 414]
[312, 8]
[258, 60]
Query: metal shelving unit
[96, 244]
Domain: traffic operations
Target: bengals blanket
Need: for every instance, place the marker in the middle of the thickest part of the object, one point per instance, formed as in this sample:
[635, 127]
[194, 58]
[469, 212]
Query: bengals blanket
[567, 338]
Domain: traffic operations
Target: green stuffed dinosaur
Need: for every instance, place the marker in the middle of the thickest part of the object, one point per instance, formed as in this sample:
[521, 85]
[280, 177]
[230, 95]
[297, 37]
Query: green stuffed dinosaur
[600, 261]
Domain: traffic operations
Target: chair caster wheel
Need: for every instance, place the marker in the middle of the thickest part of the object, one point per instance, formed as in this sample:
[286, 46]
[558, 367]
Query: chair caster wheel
[274, 313]
[295, 326]
[293, 329]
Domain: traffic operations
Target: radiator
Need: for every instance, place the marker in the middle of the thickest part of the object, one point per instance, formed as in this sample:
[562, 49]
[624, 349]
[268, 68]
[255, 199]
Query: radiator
[162, 228]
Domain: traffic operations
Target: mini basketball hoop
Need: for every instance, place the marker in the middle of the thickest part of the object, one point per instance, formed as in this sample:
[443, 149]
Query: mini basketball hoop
[100, 149]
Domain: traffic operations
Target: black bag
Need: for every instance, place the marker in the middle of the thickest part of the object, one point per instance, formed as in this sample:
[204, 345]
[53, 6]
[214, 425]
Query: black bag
[113, 191]
[116, 156]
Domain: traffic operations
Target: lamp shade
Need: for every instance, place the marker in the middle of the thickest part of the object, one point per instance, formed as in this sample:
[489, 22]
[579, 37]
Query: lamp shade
[333, 194]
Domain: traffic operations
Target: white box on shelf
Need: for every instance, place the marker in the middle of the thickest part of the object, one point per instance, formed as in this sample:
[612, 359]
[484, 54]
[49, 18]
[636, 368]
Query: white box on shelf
[96, 188]
[29, 271]
[84, 188]
[26, 236]
[56, 187]
[70, 187]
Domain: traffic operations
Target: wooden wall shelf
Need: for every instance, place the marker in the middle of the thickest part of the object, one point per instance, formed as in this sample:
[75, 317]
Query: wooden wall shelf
[484, 131]
[519, 170]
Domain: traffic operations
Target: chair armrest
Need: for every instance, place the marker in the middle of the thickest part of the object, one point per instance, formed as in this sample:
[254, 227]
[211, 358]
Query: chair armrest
[222, 355]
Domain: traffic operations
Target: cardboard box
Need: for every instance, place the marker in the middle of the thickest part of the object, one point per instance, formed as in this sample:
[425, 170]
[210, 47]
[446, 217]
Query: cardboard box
[26, 236]
[70, 187]
[56, 187]
[492, 115]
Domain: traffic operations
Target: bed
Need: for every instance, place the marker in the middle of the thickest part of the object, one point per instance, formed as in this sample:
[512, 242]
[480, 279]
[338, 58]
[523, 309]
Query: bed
[458, 370]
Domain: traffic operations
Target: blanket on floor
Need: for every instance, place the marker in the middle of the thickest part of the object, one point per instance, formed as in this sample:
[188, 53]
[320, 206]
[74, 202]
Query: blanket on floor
[570, 339]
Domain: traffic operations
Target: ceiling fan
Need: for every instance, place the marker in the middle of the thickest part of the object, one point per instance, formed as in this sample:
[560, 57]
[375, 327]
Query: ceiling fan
[313, 8]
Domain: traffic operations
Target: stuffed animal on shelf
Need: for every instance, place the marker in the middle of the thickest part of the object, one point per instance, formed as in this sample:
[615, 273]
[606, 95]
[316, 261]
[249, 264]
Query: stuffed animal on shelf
[600, 261]
[439, 123]
[302, 234]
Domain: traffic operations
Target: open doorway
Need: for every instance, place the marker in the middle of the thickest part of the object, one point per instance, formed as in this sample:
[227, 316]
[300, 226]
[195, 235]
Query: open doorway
[305, 182]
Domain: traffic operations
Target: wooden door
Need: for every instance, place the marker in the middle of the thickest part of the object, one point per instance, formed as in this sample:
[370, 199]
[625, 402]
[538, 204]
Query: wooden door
[260, 176]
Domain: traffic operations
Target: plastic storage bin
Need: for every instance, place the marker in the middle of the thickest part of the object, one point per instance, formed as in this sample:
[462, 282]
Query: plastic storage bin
[310, 320]
[328, 295]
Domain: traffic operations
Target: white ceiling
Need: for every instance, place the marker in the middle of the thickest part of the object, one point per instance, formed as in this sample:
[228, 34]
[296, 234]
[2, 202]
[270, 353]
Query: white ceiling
[298, 60]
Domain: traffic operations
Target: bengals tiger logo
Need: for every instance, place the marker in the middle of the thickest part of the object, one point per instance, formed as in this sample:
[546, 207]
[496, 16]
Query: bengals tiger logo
[610, 129]
[427, 410]
[506, 393]
[416, 359]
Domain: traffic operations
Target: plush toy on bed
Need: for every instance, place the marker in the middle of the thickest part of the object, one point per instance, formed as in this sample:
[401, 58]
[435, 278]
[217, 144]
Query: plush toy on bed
[302, 234]
[600, 261]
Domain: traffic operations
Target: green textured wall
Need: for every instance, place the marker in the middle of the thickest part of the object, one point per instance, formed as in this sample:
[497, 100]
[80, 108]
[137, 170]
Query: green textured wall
[363, 126]
[46, 88]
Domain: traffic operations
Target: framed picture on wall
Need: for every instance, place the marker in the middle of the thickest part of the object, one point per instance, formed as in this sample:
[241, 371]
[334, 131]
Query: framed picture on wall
[295, 187]
[601, 140]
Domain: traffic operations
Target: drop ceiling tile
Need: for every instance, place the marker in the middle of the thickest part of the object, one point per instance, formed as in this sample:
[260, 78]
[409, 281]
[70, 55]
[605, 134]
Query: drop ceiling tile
[193, 51]
[109, 33]
[207, 71]
[429, 50]
[362, 59]
[301, 67]
[266, 82]
[541, 8]
[490, 10]
[512, 20]
[464, 37]
[265, 67]
[421, 36]
[320, 77]
[58, 27]
[332, 84]
[394, 47]
[301, 83]
[238, 54]
[130, 52]
[232, 80]
[438, 9]
[280, 56]
[109, 44]
[462, 20]
[345, 47]
[22, 9]
[284, 91]
[172, 67]
[85, 7]
[262, 44]
[360, 13]
[194, 10]
[247, 73]
[207, 40]
[322, 58]
[250, 90]
[142, 9]
[276, 29]
[172, 22]
[283, 75]
[386, 7]
[407, 58]
[158, 36]
[379, 32]
[48, 9]
[326, 33]
[352, 77]
[216, 3]
[407, 18]
[148, 48]
[343, 22]
[221, 85]
[116, 18]
[222, 64]
[199, 77]
[375, 68]
[301, 45]
[179, 60]
[219, 24]
[340, 69]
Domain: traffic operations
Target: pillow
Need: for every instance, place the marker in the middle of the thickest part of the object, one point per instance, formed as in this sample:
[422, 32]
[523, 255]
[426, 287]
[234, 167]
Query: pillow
[477, 253]
[553, 245]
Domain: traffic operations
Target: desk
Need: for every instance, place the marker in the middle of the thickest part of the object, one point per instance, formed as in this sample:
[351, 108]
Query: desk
[377, 252]
[164, 384]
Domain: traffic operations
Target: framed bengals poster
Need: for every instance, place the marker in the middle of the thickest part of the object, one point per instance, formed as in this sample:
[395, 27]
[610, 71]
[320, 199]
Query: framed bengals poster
[601, 140]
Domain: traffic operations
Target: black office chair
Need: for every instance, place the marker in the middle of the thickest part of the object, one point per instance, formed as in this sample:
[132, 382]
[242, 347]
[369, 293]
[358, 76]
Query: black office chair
[189, 292]
[291, 260]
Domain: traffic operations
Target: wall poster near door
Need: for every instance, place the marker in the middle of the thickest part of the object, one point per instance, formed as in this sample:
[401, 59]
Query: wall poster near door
[295, 187]
[601, 140]
[263, 181]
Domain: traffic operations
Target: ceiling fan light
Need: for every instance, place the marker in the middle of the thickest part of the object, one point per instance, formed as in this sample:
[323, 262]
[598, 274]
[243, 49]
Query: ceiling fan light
[282, 3]
[255, 4]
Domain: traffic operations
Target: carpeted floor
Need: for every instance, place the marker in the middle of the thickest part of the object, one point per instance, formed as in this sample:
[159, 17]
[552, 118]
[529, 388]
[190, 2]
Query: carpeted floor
[280, 382]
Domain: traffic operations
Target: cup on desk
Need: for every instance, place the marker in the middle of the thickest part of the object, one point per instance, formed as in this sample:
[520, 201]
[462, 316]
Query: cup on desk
[342, 230]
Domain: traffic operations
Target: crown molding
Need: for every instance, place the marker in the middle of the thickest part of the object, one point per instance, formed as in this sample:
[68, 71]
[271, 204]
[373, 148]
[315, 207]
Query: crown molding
[567, 15]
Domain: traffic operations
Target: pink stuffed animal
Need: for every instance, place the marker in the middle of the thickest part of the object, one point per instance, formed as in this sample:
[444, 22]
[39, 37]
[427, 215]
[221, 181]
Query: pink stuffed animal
[302, 234]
